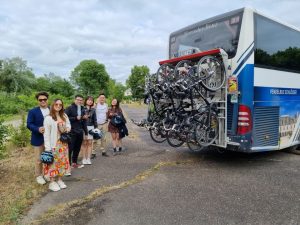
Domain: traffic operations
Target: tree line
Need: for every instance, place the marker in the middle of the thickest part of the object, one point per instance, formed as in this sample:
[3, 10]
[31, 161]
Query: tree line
[18, 83]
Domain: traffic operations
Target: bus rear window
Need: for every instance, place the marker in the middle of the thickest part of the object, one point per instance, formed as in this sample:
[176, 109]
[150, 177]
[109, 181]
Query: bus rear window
[222, 33]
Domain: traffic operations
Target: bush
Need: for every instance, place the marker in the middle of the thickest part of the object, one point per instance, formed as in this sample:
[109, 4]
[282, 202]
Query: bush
[12, 105]
[20, 136]
[3, 138]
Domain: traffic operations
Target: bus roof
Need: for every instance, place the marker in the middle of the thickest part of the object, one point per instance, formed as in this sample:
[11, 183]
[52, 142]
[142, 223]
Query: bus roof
[229, 14]
[207, 21]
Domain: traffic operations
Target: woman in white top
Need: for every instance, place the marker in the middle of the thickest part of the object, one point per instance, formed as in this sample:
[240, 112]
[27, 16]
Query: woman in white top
[56, 123]
[91, 123]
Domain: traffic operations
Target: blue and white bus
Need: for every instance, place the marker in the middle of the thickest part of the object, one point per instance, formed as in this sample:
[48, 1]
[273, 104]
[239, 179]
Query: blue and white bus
[264, 58]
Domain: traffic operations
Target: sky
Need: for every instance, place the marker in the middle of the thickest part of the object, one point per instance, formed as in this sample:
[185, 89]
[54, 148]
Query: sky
[55, 35]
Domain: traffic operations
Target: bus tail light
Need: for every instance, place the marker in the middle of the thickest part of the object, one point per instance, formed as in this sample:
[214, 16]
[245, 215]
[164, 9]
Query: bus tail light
[244, 120]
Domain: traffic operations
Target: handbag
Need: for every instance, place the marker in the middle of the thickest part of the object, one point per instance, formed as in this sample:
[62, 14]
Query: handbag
[65, 137]
[116, 120]
[47, 157]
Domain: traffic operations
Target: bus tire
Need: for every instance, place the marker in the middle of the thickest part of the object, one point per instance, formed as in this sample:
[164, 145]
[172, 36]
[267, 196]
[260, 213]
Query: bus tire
[294, 150]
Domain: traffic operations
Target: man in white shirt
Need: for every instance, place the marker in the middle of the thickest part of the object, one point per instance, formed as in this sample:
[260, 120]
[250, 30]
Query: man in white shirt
[101, 113]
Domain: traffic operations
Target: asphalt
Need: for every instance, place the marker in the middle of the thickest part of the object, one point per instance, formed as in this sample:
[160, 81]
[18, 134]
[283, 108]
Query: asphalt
[205, 188]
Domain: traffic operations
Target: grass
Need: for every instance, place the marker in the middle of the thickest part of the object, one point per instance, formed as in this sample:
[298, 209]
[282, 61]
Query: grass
[18, 189]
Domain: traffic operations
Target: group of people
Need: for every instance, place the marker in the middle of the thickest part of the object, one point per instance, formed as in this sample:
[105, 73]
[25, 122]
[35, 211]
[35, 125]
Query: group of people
[49, 124]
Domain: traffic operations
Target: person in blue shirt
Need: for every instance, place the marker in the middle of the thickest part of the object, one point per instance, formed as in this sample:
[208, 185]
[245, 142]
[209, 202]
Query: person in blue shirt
[35, 120]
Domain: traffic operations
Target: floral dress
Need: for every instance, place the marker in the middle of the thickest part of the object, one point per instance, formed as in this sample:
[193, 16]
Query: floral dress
[61, 164]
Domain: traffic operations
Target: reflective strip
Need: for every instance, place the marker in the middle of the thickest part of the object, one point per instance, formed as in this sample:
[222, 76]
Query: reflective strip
[243, 118]
[243, 124]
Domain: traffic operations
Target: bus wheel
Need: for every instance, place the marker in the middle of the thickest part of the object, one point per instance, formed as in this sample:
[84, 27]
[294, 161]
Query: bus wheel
[294, 149]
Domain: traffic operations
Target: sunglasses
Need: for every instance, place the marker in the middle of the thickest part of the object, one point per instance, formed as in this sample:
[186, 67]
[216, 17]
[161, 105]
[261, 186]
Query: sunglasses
[57, 104]
[43, 99]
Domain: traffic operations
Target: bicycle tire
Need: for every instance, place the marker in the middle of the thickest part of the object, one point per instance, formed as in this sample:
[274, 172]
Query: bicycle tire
[191, 142]
[206, 134]
[179, 65]
[164, 73]
[194, 146]
[156, 136]
[173, 139]
[212, 73]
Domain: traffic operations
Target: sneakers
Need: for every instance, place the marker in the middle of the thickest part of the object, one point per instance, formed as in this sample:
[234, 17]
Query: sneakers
[75, 165]
[84, 161]
[88, 162]
[61, 184]
[104, 154]
[47, 178]
[40, 180]
[67, 174]
[53, 186]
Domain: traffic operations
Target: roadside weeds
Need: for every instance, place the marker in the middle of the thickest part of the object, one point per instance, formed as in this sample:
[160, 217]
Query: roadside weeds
[18, 189]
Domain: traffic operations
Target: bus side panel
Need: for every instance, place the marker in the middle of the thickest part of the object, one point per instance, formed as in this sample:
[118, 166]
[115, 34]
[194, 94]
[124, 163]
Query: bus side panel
[278, 89]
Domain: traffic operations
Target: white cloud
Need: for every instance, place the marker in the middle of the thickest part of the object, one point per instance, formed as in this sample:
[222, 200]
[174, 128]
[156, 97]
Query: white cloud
[54, 36]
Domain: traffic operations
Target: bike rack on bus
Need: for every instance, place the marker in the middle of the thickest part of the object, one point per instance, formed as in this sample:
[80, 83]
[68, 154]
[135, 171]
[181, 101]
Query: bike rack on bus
[221, 94]
[222, 105]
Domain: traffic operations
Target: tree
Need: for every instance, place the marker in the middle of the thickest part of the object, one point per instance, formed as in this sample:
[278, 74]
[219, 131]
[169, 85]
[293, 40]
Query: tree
[117, 90]
[59, 85]
[136, 81]
[15, 76]
[43, 84]
[90, 77]
[55, 85]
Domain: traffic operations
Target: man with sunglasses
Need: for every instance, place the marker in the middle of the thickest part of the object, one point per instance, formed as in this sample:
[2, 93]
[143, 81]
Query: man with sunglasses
[35, 121]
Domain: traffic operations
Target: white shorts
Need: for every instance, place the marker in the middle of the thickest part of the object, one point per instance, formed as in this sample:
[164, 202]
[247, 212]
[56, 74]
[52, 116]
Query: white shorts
[90, 137]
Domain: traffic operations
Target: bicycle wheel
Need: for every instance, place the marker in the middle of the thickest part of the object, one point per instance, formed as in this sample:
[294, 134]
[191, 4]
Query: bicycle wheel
[174, 139]
[165, 72]
[182, 68]
[212, 73]
[157, 135]
[192, 144]
[207, 130]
